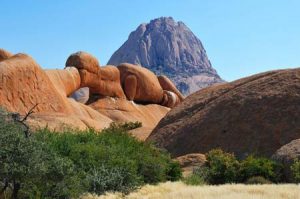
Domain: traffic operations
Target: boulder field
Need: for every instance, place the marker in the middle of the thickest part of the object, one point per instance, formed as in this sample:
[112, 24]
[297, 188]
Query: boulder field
[254, 115]
[100, 95]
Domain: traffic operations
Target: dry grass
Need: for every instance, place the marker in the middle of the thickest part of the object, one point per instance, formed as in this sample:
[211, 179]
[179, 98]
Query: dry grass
[174, 190]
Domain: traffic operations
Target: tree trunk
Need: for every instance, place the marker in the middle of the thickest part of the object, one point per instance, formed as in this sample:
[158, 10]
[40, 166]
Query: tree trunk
[16, 188]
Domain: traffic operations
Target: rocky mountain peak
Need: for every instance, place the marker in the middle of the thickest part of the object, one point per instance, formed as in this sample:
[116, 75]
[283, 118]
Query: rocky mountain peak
[170, 48]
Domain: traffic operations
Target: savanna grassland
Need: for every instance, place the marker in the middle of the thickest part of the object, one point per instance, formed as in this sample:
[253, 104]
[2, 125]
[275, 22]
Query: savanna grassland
[179, 190]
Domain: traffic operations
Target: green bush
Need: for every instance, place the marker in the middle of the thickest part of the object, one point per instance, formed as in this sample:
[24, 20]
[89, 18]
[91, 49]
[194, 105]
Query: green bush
[198, 177]
[194, 180]
[255, 166]
[174, 171]
[295, 169]
[67, 164]
[257, 180]
[222, 167]
[119, 160]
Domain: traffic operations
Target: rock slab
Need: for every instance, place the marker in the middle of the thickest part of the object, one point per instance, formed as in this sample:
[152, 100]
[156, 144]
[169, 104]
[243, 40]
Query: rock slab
[253, 115]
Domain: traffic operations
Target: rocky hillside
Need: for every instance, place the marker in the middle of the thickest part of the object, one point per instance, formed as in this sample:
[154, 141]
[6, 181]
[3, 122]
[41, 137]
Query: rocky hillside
[168, 47]
[253, 115]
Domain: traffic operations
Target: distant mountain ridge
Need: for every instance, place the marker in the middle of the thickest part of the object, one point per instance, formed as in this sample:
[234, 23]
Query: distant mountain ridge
[170, 48]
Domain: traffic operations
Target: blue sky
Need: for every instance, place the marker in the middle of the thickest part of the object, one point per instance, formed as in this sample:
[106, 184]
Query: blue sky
[241, 37]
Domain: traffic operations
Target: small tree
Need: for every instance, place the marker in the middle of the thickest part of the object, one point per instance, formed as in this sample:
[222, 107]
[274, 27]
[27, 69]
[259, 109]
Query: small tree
[222, 167]
[25, 164]
[19, 157]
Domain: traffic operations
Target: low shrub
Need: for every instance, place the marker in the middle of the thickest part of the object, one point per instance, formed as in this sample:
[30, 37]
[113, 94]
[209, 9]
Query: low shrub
[198, 177]
[257, 166]
[295, 169]
[194, 180]
[222, 167]
[126, 126]
[257, 180]
[174, 171]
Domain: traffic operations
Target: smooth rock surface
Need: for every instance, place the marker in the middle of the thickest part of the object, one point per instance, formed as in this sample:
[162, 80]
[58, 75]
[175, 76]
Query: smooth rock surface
[146, 87]
[253, 115]
[23, 84]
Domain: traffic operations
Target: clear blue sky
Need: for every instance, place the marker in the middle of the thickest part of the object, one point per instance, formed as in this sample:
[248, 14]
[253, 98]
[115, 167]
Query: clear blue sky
[241, 37]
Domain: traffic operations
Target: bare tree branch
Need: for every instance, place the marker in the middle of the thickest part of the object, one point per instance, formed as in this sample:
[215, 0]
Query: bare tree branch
[16, 118]
[29, 112]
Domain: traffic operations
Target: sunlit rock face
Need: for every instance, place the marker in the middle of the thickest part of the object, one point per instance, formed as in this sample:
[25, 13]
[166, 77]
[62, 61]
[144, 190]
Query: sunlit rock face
[84, 95]
[169, 48]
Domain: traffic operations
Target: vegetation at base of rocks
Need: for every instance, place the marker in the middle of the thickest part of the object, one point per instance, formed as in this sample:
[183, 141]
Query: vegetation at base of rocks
[198, 177]
[31, 169]
[258, 166]
[67, 164]
[295, 168]
[126, 126]
[257, 180]
[222, 167]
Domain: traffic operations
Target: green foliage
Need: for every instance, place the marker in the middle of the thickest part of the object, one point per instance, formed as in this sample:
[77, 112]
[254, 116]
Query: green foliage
[258, 180]
[255, 166]
[126, 126]
[194, 180]
[25, 163]
[222, 167]
[198, 177]
[103, 178]
[174, 171]
[67, 164]
[295, 169]
[112, 160]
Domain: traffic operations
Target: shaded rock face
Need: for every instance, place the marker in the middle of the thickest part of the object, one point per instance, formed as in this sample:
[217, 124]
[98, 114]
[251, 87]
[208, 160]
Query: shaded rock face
[169, 48]
[253, 115]
[82, 95]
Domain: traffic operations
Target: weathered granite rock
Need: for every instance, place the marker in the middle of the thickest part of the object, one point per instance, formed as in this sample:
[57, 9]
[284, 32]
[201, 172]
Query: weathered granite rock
[286, 155]
[169, 48]
[253, 115]
[85, 61]
[23, 84]
[4, 54]
[140, 84]
[104, 81]
[191, 161]
[168, 85]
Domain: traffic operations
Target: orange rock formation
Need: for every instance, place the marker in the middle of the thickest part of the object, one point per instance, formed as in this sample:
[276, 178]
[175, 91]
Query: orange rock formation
[23, 84]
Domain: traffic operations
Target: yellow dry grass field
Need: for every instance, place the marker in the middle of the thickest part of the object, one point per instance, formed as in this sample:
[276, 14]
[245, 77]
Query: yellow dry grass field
[174, 190]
